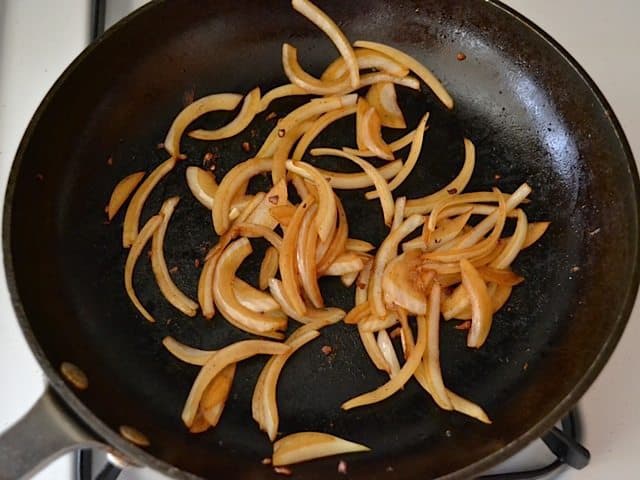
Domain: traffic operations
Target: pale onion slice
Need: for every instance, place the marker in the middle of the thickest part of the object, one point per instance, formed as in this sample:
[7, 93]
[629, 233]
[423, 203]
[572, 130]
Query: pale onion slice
[399, 380]
[362, 106]
[467, 407]
[432, 352]
[265, 324]
[402, 285]
[329, 315]
[306, 257]
[516, 198]
[475, 209]
[371, 135]
[268, 267]
[375, 324]
[382, 187]
[398, 212]
[269, 417]
[226, 356]
[303, 446]
[499, 295]
[329, 27]
[325, 219]
[534, 232]
[382, 97]
[376, 77]
[448, 279]
[357, 245]
[283, 150]
[388, 251]
[296, 75]
[134, 210]
[283, 214]
[370, 345]
[205, 290]
[252, 298]
[349, 279]
[275, 197]
[366, 59]
[501, 277]
[358, 313]
[446, 230]
[480, 300]
[210, 103]
[412, 159]
[318, 126]
[216, 394]
[466, 201]
[250, 107]
[288, 260]
[190, 355]
[132, 258]
[300, 184]
[347, 262]
[168, 288]
[514, 244]
[121, 193]
[396, 145]
[353, 181]
[406, 335]
[425, 204]
[200, 424]
[328, 250]
[412, 64]
[203, 185]
[232, 181]
[287, 90]
[388, 352]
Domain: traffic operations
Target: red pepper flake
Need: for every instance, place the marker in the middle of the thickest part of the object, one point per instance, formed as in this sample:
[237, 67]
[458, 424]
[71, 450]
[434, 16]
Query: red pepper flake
[246, 146]
[497, 177]
[273, 199]
[196, 263]
[396, 332]
[525, 366]
[266, 461]
[461, 57]
[272, 116]
[283, 471]
[463, 326]
[173, 269]
[281, 132]
[110, 161]
[342, 467]
[327, 349]
[452, 191]
[362, 286]
[39, 177]
[209, 161]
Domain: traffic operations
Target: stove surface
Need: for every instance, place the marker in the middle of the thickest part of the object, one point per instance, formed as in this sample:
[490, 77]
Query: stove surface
[39, 38]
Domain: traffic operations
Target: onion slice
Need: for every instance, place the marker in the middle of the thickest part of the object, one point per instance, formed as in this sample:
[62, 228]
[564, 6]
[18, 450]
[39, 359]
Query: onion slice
[287, 90]
[353, 181]
[398, 212]
[382, 97]
[329, 27]
[134, 210]
[375, 324]
[347, 262]
[171, 292]
[396, 145]
[412, 159]
[306, 257]
[226, 356]
[481, 308]
[388, 352]
[535, 230]
[216, 394]
[412, 64]
[318, 126]
[275, 197]
[265, 324]
[325, 219]
[514, 244]
[399, 380]
[328, 315]
[202, 184]
[303, 446]
[401, 284]
[432, 353]
[366, 59]
[252, 298]
[250, 107]
[371, 135]
[382, 187]
[132, 258]
[121, 193]
[190, 355]
[357, 245]
[388, 251]
[501, 277]
[268, 267]
[348, 279]
[210, 103]
[296, 75]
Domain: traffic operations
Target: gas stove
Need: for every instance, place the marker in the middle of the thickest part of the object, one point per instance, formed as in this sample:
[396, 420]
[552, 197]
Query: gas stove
[38, 39]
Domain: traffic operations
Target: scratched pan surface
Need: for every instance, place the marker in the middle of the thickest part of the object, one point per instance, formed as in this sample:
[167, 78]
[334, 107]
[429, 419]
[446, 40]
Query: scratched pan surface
[533, 115]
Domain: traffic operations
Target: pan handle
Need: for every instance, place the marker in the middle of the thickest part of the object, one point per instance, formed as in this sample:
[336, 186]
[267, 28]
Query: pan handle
[43, 434]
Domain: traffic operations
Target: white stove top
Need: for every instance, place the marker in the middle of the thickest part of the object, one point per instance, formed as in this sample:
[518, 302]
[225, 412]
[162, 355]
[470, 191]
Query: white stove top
[39, 38]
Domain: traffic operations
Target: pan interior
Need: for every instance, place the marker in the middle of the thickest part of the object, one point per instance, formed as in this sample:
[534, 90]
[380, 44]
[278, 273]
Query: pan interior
[532, 118]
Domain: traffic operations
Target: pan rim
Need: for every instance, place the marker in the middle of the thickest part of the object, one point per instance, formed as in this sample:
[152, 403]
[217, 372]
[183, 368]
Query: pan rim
[101, 429]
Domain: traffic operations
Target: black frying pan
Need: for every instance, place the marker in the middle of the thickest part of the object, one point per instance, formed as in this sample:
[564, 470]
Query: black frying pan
[534, 115]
